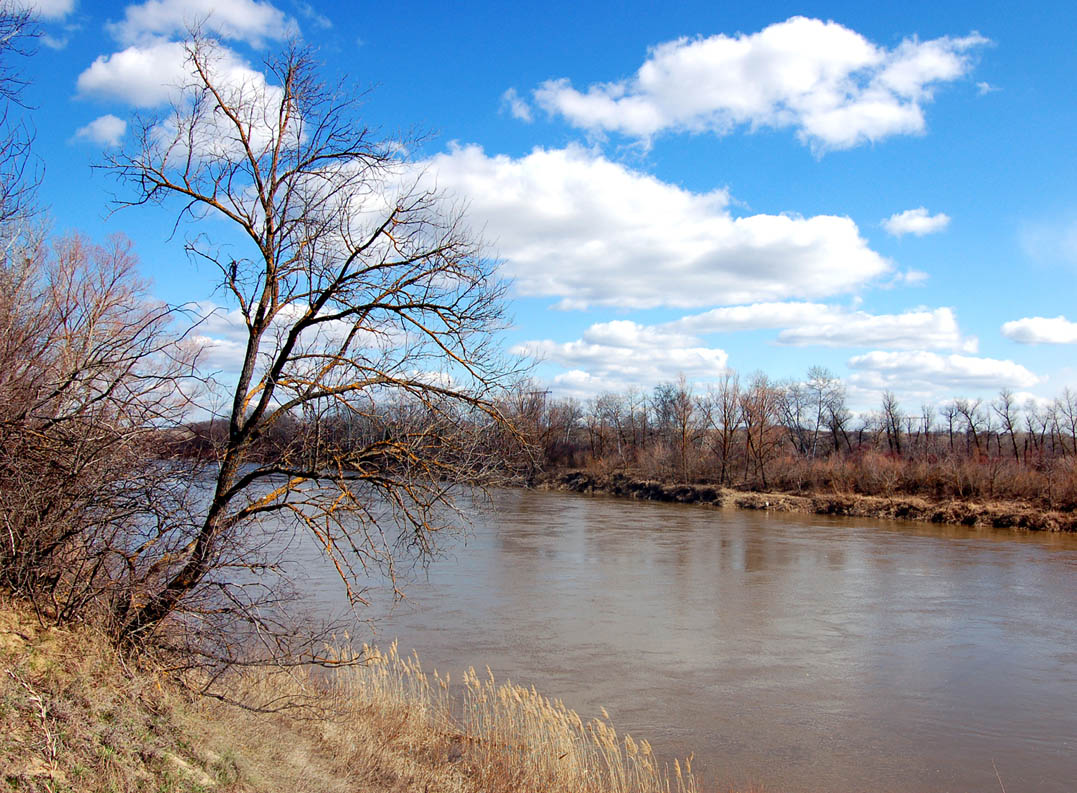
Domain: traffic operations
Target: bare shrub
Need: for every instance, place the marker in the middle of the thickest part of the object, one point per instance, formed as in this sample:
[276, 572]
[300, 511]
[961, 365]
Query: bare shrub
[91, 377]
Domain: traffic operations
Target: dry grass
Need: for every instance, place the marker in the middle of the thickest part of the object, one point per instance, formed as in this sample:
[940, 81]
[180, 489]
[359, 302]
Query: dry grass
[75, 717]
[504, 737]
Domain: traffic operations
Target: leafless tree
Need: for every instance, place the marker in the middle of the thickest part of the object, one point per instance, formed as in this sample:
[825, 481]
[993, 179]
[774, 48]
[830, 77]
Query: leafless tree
[970, 412]
[796, 413]
[759, 405]
[891, 420]
[724, 417]
[363, 295]
[18, 179]
[825, 390]
[1006, 410]
[92, 378]
[1066, 408]
[949, 412]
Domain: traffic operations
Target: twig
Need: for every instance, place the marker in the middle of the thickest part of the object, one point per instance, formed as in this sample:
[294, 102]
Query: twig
[43, 714]
[999, 778]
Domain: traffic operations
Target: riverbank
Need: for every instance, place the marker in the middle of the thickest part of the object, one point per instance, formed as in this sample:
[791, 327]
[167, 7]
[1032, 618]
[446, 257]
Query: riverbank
[77, 716]
[994, 514]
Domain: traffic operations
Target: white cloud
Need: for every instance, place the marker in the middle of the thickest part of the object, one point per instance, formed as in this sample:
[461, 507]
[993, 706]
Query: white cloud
[805, 324]
[571, 224]
[912, 370]
[517, 106]
[49, 9]
[910, 330]
[916, 221]
[155, 74]
[107, 130]
[621, 354]
[983, 88]
[1041, 330]
[143, 76]
[756, 316]
[245, 20]
[832, 85]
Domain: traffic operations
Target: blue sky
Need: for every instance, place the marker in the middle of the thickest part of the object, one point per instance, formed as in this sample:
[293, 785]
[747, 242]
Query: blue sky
[886, 190]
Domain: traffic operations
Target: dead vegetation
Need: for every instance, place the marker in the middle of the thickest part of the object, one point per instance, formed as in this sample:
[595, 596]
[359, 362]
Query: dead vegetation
[76, 716]
[999, 514]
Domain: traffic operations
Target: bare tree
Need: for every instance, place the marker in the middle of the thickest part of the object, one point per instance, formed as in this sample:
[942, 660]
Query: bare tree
[361, 293]
[1066, 409]
[970, 412]
[759, 415]
[724, 415]
[1006, 410]
[949, 412]
[825, 389]
[891, 420]
[91, 380]
[796, 413]
[18, 181]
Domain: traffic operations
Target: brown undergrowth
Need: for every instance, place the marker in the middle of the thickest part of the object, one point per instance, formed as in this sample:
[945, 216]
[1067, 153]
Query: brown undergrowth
[77, 716]
[957, 512]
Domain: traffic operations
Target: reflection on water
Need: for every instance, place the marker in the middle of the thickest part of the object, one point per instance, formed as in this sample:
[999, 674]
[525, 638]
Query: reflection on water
[803, 653]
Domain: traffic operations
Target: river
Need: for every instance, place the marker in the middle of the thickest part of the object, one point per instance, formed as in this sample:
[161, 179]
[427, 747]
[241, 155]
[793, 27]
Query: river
[801, 653]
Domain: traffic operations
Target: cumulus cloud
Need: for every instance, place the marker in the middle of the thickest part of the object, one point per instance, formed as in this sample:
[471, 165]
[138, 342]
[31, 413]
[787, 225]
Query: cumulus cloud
[818, 324]
[49, 9]
[622, 354]
[571, 224]
[920, 369]
[1041, 330]
[154, 74]
[756, 316]
[829, 83]
[107, 130]
[143, 76]
[245, 20]
[910, 330]
[915, 221]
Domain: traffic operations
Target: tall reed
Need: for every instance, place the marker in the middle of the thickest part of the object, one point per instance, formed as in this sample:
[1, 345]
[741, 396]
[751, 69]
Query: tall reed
[508, 737]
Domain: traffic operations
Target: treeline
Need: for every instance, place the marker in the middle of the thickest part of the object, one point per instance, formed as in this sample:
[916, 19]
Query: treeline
[801, 436]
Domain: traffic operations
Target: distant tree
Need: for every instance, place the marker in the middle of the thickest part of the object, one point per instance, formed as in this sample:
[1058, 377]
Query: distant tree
[1066, 409]
[892, 416]
[949, 413]
[724, 418]
[759, 406]
[969, 411]
[825, 391]
[1006, 410]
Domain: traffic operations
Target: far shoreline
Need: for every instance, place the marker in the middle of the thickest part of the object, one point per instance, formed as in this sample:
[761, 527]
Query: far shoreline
[1000, 514]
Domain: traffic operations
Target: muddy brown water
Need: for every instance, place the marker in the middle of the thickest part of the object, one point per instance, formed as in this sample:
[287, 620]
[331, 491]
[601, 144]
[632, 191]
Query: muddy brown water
[796, 652]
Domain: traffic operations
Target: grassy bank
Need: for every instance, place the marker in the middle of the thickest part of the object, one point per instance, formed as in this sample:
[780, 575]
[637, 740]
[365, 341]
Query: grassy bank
[959, 512]
[76, 716]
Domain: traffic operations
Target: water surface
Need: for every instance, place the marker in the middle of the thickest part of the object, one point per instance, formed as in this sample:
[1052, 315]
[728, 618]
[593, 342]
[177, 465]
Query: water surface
[799, 652]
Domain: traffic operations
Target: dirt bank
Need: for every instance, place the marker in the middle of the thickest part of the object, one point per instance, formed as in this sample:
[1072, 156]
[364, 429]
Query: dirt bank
[996, 514]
